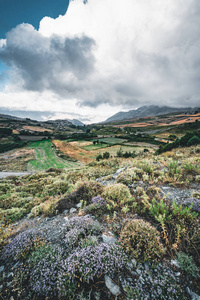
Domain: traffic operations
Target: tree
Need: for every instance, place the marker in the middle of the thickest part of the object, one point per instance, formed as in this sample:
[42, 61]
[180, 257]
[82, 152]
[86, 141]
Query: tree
[106, 155]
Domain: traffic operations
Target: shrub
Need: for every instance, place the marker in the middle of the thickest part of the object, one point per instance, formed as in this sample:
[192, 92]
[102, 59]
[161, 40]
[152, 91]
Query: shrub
[118, 195]
[22, 245]
[85, 190]
[106, 155]
[141, 240]
[161, 287]
[195, 140]
[98, 200]
[127, 177]
[46, 265]
[187, 264]
[89, 263]
[79, 228]
[12, 214]
[4, 234]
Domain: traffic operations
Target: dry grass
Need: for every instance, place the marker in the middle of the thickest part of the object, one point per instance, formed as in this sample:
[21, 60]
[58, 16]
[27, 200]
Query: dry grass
[74, 152]
[16, 160]
[36, 128]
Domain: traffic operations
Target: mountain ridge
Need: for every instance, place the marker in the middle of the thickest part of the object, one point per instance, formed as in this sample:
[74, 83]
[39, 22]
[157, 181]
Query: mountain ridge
[149, 110]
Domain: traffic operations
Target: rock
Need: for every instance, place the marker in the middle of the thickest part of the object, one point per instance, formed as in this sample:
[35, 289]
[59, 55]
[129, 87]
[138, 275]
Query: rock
[175, 263]
[1, 287]
[146, 265]
[113, 288]
[177, 274]
[139, 271]
[1, 269]
[16, 265]
[10, 275]
[72, 210]
[134, 262]
[192, 294]
[79, 205]
[108, 239]
[118, 172]
[131, 265]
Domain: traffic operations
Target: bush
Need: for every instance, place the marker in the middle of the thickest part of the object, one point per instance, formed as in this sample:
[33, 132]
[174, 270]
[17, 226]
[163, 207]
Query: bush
[159, 287]
[45, 266]
[127, 177]
[12, 214]
[141, 240]
[89, 263]
[187, 264]
[118, 195]
[22, 245]
[79, 228]
[85, 190]
[193, 141]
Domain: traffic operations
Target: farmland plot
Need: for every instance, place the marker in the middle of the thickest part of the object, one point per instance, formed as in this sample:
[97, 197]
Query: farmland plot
[47, 158]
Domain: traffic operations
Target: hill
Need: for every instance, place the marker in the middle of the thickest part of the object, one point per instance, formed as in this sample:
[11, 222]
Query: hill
[151, 110]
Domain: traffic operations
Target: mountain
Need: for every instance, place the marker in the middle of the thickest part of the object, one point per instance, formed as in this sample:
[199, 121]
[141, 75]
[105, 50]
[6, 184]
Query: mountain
[146, 111]
[76, 122]
[67, 122]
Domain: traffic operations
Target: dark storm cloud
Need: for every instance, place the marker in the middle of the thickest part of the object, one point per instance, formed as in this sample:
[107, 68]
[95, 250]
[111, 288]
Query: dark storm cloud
[55, 63]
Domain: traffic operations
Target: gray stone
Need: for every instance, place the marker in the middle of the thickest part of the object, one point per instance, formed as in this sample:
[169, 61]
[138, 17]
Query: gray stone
[108, 239]
[192, 294]
[1, 287]
[1, 269]
[10, 275]
[79, 205]
[113, 288]
[134, 262]
[146, 265]
[177, 274]
[139, 271]
[66, 219]
[175, 263]
[118, 172]
[16, 265]
[72, 210]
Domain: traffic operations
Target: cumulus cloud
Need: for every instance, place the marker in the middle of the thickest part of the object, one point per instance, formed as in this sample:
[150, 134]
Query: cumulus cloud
[124, 53]
[55, 63]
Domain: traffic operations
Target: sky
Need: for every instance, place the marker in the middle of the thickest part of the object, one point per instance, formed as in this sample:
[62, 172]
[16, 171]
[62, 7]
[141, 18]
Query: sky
[94, 58]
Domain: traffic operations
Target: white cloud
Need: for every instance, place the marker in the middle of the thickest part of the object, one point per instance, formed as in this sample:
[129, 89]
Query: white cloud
[136, 53]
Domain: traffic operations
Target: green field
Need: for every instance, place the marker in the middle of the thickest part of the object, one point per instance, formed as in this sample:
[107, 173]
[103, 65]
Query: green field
[46, 158]
[112, 141]
[95, 147]
[114, 149]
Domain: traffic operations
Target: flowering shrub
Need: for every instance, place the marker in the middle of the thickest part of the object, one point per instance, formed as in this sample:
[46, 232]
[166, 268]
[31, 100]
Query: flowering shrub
[85, 223]
[22, 245]
[91, 262]
[98, 200]
[45, 266]
[79, 228]
[159, 288]
[141, 240]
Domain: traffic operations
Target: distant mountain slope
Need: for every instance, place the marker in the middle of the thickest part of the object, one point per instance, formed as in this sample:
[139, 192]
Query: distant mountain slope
[151, 110]
[66, 122]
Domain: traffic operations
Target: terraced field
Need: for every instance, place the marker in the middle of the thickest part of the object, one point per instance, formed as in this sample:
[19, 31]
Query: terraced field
[46, 158]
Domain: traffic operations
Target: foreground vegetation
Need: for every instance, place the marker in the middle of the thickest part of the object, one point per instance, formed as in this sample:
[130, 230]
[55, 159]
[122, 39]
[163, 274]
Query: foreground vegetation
[124, 196]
